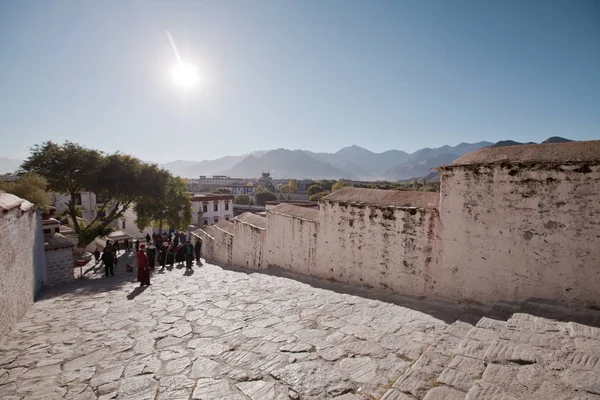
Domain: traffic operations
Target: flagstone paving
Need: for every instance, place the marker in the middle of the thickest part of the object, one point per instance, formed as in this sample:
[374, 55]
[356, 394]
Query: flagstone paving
[228, 334]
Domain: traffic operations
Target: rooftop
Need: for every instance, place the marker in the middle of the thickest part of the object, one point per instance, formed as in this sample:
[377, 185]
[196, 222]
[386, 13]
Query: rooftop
[226, 226]
[300, 203]
[212, 196]
[545, 153]
[393, 198]
[252, 219]
[9, 201]
[296, 211]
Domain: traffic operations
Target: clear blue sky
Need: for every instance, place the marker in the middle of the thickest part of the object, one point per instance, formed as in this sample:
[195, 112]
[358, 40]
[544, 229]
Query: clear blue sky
[308, 74]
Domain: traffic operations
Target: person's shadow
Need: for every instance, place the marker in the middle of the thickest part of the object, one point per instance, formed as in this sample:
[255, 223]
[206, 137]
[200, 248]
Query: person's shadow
[189, 272]
[136, 292]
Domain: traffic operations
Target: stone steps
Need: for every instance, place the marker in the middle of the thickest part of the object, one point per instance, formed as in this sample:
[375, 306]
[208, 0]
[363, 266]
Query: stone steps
[524, 357]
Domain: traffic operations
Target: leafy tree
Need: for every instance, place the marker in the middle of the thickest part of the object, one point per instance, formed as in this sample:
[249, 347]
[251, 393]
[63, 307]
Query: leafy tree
[222, 191]
[337, 186]
[292, 186]
[171, 204]
[326, 184]
[314, 189]
[242, 199]
[318, 196]
[31, 187]
[259, 189]
[263, 197]
[268, 181]
[119, 179]
[284, 188]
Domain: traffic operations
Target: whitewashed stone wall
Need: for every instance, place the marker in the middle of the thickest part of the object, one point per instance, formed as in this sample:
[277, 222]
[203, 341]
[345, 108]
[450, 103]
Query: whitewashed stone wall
[376, 246]
[291, 243]
[248, 244]
[515, 232]
[19, 224]
[217, 243]
[59, 266]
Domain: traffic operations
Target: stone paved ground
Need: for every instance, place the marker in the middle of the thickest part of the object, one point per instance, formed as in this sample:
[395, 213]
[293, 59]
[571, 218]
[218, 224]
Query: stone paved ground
[227, 334]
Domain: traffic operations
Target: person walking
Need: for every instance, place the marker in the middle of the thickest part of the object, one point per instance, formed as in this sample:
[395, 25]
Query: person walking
[182, 238]
[189, 255]
[137, 245]
[162, 256]
[148, 238]
[198, 250]
[143, 266]
[151, 256]
[171, 255]
[108, 259]
[179, 254]
[97, 255]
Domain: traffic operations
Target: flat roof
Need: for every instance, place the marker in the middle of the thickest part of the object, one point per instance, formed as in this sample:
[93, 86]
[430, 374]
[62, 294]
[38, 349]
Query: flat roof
[544, 153]
[213, 197]
[296, 211]
[252, 219]
[389, 198]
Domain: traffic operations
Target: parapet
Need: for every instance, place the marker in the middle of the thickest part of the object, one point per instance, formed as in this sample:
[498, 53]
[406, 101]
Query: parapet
[306, 213]
[10, 201]
[385, 198]
[253, 219]
[545, 153]
[227, 226]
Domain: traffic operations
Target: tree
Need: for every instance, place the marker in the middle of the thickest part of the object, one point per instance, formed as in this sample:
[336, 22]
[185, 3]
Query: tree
[314, 189]
[31, 187]
[268, 181]
[263, 197]
[337, 186]
[284, 188]
[292, 186]
[222, 191]
[171, 204]
[242, 199]
[326, 184]
[318, 196]
[259, 189]
[119, 179]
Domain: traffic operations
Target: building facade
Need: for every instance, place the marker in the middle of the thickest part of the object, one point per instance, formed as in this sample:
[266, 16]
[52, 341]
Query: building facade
[86, 200]
[211, 209]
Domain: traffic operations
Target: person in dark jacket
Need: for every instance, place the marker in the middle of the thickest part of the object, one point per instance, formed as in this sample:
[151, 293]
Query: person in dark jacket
[151, 253]
[179, 254]
[137, 245]
[162, 256]
[108, 258]
[198, 250]
[189, 254]
[171, 255]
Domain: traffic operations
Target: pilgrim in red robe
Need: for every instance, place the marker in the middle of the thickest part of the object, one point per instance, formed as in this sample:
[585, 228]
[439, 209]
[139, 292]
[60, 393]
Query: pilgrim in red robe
[143, 267]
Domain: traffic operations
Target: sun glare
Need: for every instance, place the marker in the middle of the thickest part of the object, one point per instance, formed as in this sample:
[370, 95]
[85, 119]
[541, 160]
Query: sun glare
[185, 75]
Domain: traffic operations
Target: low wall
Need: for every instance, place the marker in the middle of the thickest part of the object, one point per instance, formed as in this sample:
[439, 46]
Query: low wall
[521, 231]
[59, 260]
[19, 226]
[217, 242]
[249, 231]
[387, 248]
[292, 238]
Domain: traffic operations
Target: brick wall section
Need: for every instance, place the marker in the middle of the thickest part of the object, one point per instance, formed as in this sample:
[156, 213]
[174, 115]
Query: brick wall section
[17, 277]
[59, 266]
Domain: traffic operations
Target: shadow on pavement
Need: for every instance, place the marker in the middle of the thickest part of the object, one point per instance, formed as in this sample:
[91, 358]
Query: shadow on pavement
[189, 272]
[136, 292]
[445, 310]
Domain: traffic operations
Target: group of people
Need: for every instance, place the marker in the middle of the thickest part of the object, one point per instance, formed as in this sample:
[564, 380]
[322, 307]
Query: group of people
[171, 247]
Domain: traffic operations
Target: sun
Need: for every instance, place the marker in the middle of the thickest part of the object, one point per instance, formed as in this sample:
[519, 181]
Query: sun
[185, 75]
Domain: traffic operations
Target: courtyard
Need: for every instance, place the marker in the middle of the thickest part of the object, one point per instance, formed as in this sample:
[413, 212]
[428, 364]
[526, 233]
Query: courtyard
[226, 333]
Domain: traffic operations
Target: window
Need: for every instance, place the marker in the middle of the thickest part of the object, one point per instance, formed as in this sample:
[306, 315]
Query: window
[204, 207]
[101, 214]
[226, 218]
[205, 222]
[216, 205]
[123, 224]
[48, 230]
[226, 206]
[216, 220]
[77, 199]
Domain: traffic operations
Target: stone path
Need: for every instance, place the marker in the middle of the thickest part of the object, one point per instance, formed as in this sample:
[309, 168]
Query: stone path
[226, 334]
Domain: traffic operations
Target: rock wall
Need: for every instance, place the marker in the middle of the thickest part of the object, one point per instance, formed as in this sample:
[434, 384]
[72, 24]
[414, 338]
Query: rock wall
[217, 244]
[388, 248]
[291, 242]
[59, 266]
[19, 224]
[249, 239]
[520, 231]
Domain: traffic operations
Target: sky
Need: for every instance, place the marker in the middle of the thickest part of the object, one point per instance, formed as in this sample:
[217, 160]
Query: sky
[307, 74]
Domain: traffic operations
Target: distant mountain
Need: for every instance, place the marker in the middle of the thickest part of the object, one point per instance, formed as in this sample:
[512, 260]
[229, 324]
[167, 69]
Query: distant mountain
[557, 139]
[284, 163]
[193, 169]
[504, 143]
[9, 165]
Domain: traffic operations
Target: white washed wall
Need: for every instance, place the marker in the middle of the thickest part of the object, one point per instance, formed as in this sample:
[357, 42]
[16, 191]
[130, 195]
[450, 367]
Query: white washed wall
[515, 232]
[291, 243]
[17, 264]
[248, 245]
[383, 247]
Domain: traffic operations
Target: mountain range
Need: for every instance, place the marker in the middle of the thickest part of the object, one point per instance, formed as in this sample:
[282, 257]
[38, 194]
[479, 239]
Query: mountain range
[353, 162]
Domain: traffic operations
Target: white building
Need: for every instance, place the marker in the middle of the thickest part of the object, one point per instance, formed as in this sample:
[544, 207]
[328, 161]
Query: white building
[220, 180]
[214, 207]
[127, 224]
[86, 200]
